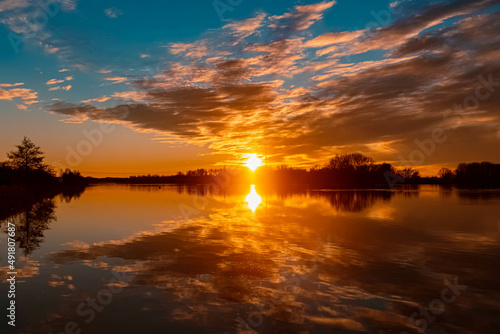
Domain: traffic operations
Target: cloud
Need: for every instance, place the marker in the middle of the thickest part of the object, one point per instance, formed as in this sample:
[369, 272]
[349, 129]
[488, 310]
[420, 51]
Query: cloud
[11, 85]
[333, 38]
[68, 5]
[23, 93]
[67, 88]
[54, 88]
[64, 70]
[409, 27]
[53, 81]
[245, 28]
[282, 96]
[99, 99]
[301, 17]
[50, 49]
[6, 5]
[193, 50]
[113, 12]
[117, 79]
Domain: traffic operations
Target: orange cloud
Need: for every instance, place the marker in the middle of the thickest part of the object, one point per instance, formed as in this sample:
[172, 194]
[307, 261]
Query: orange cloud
[117, 79]
[53, 82]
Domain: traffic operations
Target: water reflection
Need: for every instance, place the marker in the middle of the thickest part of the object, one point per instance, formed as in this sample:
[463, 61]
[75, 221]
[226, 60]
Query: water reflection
[31, 224]
[253, 199]
[329, 261]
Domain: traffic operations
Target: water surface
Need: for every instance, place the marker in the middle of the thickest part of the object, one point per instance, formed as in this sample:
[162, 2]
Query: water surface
[169, 259]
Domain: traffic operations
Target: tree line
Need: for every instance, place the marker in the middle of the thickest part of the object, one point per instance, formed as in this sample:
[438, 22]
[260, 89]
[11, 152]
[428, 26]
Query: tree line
[347, 170]
[26, 179]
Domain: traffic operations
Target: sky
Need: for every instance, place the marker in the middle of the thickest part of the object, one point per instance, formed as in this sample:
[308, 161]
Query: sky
[117, 88]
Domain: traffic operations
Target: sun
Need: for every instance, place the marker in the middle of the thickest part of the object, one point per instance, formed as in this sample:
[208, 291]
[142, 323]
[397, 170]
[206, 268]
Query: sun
[253, 161]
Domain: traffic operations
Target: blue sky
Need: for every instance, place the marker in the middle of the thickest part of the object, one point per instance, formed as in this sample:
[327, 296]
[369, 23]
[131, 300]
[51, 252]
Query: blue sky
[205, 82]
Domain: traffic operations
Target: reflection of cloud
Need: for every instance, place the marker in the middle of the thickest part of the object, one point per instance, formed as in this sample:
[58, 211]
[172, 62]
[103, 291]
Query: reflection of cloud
[24, 269]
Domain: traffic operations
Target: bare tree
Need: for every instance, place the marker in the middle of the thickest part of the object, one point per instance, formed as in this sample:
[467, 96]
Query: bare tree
[353, 160]
[446, 173]
[409, 173]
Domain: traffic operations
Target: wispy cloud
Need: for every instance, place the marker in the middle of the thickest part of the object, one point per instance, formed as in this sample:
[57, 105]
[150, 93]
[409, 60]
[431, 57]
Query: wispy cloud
[11, 85]
[12, 4]
[245, 28]
[116, 80]
[301, 17]
[113, 12]
[54, 81]
[99, 99]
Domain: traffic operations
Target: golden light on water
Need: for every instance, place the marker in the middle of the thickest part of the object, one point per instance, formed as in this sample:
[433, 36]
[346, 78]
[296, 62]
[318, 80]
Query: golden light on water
[253, 199]
[253, 162]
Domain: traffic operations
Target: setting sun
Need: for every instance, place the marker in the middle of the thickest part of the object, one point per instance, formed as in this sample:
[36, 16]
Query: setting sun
[253, 162]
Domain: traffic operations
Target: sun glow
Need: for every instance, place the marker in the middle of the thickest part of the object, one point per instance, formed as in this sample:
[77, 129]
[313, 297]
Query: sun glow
[253, 199]
[253, 162]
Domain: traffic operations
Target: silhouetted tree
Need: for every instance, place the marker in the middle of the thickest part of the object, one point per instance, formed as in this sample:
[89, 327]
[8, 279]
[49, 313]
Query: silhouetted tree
[353, 160]
[446, 174]
[478, 174]
[409, 173]
[28, 156]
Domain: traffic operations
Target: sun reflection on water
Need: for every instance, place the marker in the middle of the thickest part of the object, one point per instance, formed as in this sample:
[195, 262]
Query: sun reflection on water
[253, 199]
